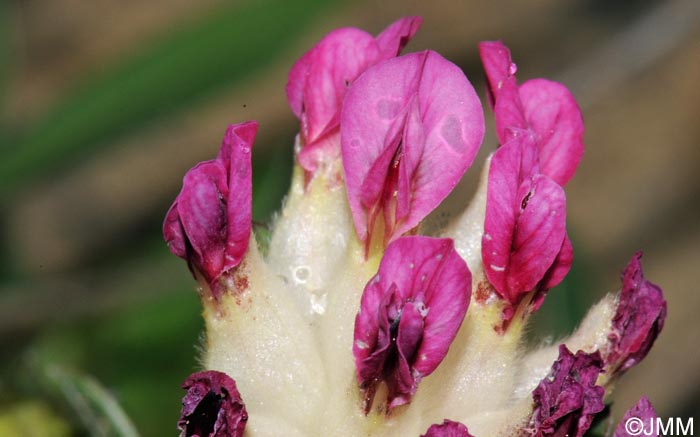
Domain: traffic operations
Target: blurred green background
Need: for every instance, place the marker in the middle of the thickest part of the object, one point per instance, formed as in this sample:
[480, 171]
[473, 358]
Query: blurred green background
[106, 104]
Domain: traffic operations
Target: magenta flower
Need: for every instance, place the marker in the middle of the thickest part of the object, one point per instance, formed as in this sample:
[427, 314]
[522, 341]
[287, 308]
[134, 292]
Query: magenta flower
[209, 223]
[409, 314]
[568, 399]
[319, 79]
[212, 406]
[544, 108]
[525, 247]
[639, 319]
[447, 428]
[525, 223]
[643, 411]
[410, 128]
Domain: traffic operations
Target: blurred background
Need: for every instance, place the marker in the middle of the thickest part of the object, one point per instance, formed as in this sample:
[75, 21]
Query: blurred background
[105, 104]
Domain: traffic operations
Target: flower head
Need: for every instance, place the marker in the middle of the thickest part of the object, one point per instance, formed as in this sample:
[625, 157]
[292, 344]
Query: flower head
[403, 130]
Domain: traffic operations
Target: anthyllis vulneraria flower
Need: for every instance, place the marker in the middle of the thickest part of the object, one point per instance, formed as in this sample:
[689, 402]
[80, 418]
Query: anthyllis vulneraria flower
[355, 322]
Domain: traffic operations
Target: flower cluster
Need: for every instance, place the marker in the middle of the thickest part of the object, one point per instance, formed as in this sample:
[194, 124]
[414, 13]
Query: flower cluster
[355, 322]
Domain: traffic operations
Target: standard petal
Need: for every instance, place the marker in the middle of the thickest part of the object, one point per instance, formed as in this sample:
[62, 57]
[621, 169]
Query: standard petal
[395, 37]
[318, 82]
[525, 222]
[560, 267]
[447, 300]
[452, 125]
[202, 210]
[499, 67]
[237, 146]
[639, 318]
[296, 82]
[173, 233]
[501, 213]
[540, 232]
[556, 273]
[335, 63]
[553, 114]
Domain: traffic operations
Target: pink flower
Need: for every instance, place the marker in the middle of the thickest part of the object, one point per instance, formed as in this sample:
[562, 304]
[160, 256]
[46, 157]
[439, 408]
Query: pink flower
[543, 107]
[567, 400]
[209, 222]
[319, 79]
[409, 314]
[539, 124]
[447, 428]
[525, 224]
[639, 318]
[212, 406]
[410, 128]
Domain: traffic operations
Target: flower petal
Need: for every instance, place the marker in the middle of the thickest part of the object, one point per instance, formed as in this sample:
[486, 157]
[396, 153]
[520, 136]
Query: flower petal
[173, 233]
[546, 108]
[318, 81]
[212, 406]
[556, 273]
[639, 319]
[394, 38]
[236, 153]
[553, 114]
[568, 399]
[202, 211]
[525, 222]
[411, 310]
[448, 428]
[561, 266]
[209, 223]
[499, 67]
[443, 127]
[540, 231]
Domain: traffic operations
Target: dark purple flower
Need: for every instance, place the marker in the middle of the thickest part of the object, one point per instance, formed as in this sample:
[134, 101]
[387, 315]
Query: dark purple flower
[644, 412]
[567, 400]
[639, 319]
[448, 428]
[410, 312]
[209, 223]
[212, 406]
